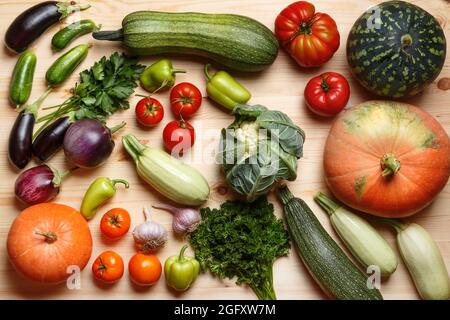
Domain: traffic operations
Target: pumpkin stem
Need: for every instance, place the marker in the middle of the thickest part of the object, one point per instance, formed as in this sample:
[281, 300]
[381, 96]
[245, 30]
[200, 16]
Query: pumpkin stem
[49, 236]
[389, 164]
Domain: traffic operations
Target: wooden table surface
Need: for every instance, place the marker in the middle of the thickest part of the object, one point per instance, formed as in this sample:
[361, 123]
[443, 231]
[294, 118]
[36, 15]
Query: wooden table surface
[280, 87]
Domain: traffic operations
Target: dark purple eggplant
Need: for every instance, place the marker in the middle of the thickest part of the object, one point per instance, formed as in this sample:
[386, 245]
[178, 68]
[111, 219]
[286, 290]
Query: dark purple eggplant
[21, 135]
[39, 184]
[51, 139]
[20, 140]
[88, 143]
[33, 22]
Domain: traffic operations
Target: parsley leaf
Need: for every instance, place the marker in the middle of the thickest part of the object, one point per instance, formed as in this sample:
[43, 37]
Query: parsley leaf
[103, 90]
[241, 240]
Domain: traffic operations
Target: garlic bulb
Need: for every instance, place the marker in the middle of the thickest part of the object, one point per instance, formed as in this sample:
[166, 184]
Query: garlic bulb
[149, 236]
[185, 220]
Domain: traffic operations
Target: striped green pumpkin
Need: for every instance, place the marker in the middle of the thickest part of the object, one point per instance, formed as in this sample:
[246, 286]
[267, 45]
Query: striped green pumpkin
[396, 49]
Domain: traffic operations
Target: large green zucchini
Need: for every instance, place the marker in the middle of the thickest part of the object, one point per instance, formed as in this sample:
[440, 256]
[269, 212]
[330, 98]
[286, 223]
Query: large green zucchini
[235, 41]
[333, 271]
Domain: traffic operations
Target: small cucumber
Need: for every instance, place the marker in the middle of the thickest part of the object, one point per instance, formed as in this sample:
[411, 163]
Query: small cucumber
[77, 29]
[22, 78]
[63, 67]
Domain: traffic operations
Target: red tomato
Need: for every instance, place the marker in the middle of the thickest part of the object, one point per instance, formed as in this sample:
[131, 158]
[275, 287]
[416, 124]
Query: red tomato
[115, 223]
[145, 269]
[327, 94]
[178, 136]
[108, 267]
[149, 112]
[185, 99]
[310, 38]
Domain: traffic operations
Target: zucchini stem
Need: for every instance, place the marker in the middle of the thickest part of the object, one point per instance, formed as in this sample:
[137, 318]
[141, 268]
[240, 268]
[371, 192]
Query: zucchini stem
[133, 146]
[109, 35]
[397, 224]
[285, 195]
[326, 203]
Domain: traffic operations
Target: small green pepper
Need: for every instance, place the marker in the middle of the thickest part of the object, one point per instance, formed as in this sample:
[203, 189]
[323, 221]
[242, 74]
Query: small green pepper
[181, 271]
[100, 191]
[225, 90]
[159, 75]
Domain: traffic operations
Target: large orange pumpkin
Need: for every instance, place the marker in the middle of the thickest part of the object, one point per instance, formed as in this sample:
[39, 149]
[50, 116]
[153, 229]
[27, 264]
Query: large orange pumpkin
[385, 158]
[45, 239]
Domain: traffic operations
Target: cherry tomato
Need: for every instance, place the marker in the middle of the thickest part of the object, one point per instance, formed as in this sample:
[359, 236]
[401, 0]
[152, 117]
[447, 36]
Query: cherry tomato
[327, 94]
[178, 136]
[108, 267]
[149, 112]
[115, 223]
[145, 269]
[310, 37]
[185, 99]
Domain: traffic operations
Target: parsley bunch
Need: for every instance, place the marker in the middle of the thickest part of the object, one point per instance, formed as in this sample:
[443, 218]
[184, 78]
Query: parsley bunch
[103, 89]
[241, 240]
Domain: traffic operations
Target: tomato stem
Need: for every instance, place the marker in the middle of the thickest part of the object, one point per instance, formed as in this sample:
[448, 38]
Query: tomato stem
[305, 28]
[325, 86]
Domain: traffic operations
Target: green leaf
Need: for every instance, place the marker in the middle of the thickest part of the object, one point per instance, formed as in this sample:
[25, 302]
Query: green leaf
[104, 88]
[281, 127]
[97, 71]
[120, 92]
[89, 101]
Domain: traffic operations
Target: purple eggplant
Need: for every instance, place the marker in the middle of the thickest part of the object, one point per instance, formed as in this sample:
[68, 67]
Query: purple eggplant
[21, 135]
[88, 143]
[33, 22]
[39, 184]
[51, 139]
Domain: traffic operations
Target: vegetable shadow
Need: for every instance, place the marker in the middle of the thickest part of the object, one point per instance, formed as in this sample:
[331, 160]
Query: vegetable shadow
[18, 285]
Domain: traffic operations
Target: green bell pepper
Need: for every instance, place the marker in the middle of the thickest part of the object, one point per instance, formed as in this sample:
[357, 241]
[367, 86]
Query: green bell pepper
[181, 271]
[159, 75]
[225, 90]
[99, 192]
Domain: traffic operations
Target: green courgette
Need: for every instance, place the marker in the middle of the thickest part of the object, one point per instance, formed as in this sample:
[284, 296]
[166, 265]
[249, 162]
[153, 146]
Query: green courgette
[65, 65]
[235, 41]
[361, 239]
[22, 78]
[423, 259]
[329, 266]
[77, 29]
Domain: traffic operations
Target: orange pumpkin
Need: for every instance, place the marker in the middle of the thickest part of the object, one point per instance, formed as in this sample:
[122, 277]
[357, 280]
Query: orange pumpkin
[386, 158]
[45, 239]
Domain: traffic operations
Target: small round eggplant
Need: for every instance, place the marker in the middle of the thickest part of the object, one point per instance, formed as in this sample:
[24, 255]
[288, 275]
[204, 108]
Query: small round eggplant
[51, 139]
[39, 184]
[88, 143]
[33, 22]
